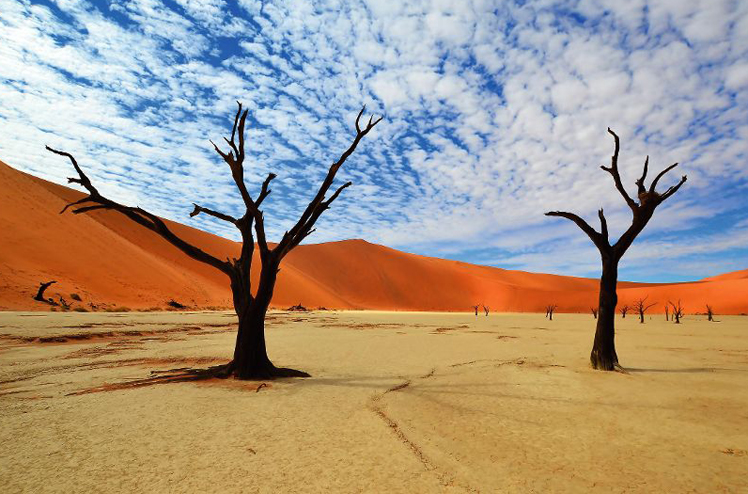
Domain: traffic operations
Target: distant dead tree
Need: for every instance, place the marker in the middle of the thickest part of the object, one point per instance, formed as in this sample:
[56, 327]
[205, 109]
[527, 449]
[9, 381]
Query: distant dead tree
[677, 311]
[549, 311]
[250, 355]
[667, 312]
[476, 309]
[594, 312]
[485, 309]
[710, 313]
[624, 310]
[641, 307]
[603, 355]
[40, 293]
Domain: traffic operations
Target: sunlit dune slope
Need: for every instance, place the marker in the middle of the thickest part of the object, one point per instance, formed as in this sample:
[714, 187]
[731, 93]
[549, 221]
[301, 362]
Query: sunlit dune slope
[107, 259]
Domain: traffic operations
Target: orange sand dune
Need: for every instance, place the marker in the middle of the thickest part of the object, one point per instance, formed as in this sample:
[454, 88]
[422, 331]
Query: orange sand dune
[106, 259]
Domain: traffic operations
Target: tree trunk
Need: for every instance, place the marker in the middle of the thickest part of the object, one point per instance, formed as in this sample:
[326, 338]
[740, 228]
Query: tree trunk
[603, 356]
[641, 317]
[251, 360]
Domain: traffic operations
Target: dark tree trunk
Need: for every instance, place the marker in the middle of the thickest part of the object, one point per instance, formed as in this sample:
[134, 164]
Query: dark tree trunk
[251, 359]
[603, 356]
[641, 317]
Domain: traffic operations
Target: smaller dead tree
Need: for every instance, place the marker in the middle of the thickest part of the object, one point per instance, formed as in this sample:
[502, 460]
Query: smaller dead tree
[624, 310]
[677, 311]
[641, 307]
[40, 293]
[475, 307]
[667, 312]
[549, 311]
[486, 310]
[594, 312]
[710, 313]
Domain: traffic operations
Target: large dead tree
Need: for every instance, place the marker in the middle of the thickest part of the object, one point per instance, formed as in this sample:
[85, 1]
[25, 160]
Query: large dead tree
[250, 354]
[603, 355]
[641, 307]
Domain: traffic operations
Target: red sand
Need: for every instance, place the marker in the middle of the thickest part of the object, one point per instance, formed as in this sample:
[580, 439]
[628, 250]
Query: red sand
[107, 259]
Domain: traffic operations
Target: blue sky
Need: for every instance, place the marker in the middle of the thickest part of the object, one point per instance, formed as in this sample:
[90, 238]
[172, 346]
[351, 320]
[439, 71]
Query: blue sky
[495, 112]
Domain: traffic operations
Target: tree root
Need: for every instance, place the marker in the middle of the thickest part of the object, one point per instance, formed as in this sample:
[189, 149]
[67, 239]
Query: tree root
[190, 374]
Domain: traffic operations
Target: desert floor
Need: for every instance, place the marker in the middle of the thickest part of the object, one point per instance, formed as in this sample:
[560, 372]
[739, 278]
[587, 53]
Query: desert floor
[398, 402]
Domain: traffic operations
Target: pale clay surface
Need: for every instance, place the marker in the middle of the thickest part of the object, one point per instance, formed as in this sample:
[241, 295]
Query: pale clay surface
[398, 402]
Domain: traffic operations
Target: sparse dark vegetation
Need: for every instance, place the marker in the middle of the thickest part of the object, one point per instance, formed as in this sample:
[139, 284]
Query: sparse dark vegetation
[298, 308]
[549, 311]
[677, 311]
[603, 355]
[642, 307]
[76, 297]
[175, 305]
[624, 309]
[710, 313]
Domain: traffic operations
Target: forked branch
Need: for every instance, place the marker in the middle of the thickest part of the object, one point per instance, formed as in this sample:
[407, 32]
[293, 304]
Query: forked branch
[318, 205]
[95, 201]
[613, 170]
[599, 239]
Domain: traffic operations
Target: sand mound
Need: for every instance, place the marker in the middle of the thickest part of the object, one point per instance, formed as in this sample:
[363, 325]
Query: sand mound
[109, 261]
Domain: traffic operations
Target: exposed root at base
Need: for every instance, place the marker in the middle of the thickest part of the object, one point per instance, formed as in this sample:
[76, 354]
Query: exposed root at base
[189, 374]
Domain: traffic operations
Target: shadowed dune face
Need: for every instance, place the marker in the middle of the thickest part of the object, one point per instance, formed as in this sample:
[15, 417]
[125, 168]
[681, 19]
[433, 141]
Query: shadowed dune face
[107, 259]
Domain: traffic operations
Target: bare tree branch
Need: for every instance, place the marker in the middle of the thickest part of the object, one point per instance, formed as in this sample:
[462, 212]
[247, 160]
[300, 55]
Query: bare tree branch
[139, 215]
[641, 189]
[264, 192]
[216, 214]
[613, 170]
[653, 186]
[598, 239]
[672, 190]
[318, 205]
[603, 226]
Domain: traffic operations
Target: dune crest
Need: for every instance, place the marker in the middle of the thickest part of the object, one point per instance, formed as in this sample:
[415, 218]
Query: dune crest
[106, 259]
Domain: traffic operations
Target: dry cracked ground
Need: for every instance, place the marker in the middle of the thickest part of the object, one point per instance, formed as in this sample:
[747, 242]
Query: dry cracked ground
[397, 402]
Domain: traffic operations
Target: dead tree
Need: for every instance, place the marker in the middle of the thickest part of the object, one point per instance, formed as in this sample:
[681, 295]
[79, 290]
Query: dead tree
[549, 311]
[624, 310]
[40, 293]
[603, 355]
[710, 313]
[641, 307]
[486, 310]
[250, 359]
[594, 312]
[667, 312]
[677, 311]
[476, 309]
